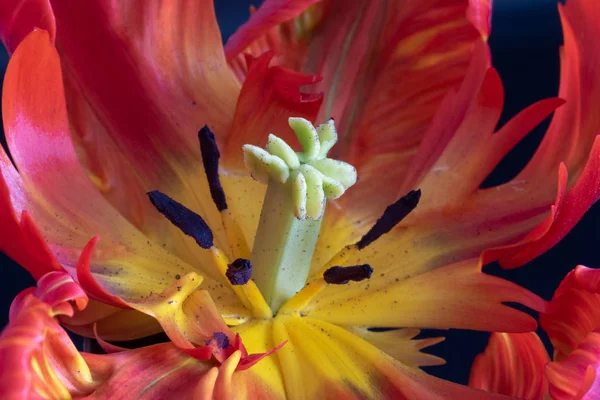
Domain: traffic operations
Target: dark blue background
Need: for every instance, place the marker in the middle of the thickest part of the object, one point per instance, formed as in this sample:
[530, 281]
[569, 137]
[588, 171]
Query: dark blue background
[525, 39]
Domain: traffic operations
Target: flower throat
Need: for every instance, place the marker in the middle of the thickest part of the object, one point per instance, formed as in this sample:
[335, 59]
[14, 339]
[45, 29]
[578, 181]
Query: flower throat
[298, 187]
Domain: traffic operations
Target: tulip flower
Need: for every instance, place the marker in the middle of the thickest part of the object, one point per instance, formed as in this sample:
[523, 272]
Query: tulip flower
[193, 189]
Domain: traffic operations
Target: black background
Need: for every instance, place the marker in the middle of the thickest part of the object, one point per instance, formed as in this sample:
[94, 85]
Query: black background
[525, 39]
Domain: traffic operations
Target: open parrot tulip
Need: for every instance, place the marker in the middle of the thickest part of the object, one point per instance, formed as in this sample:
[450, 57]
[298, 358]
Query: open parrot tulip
[160, 182]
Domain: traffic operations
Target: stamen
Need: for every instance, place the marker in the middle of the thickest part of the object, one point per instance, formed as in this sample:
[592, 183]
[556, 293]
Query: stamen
[342, 275]
[239, 271]
[210, 159]
[182, 217]
[392, 215]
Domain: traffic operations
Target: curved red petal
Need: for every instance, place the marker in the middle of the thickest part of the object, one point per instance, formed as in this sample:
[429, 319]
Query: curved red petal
[37, 357]
[512, 364]
[568, 209]
[574, 311]
[576, 377]
[270, 14]
[56, 288]
[270, 95]
[19, 17]
[20, 239]
[89, 283]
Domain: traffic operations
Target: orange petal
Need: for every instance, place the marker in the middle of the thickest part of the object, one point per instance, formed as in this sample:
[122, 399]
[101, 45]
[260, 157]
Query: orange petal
[38, 357]
[19, 17]
[568, 209]
[574, 311]
[512, 364]
[571, 138]
[576, 377]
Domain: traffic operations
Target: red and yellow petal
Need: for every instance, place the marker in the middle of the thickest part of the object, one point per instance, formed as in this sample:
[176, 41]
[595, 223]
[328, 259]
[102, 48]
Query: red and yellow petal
[141, 94]
[38, 359]
[53, 187]
[513, 364]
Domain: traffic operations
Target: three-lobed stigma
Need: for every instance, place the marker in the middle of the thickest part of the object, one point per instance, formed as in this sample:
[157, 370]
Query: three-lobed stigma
[310, 176]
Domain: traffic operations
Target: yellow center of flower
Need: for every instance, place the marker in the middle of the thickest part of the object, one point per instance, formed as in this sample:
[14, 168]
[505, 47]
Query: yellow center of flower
[298, 185]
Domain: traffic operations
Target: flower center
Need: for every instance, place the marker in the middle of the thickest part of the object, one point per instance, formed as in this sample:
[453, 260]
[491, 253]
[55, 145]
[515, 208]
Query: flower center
[298, 186]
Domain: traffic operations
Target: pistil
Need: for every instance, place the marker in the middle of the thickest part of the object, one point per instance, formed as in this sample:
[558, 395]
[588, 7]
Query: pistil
[298, 185]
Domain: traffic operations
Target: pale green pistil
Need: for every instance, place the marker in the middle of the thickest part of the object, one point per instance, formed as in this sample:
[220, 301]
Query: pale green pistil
[298, 186]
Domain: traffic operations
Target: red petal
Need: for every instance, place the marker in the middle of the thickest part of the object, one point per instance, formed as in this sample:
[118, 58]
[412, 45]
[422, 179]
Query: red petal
[270, 96]
[270, 14]
[512, 364]
[37, 357]
[568, 209]
[576, 377]
[19, 17]
[20, 239]
[89, 283]
[574, 311]
[56, 288]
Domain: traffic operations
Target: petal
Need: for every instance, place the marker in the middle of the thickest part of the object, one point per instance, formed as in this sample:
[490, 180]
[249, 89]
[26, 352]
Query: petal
[19, 17]
[49, 366]
[576, 377]
[402, 345]
[269, 97]
[474, 300]
[574, 311]
[571, 137]
[38, 358]
[325, 361]
[54, 188]
[20, 239]
[404, 58]
[130, 85]
[513, 364]
[162, 371]
[137, 100]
